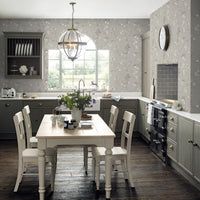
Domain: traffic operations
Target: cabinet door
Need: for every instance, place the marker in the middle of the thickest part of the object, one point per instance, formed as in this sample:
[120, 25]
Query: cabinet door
[141, 116]
[36, 115]
[185, 143]
[143, 126]
[197, 151]
[8, 109]
[123, 105]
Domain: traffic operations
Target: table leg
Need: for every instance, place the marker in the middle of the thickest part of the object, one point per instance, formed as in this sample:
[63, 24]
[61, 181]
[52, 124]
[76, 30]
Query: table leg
[108, 165]
[85, 155]
[41, 169]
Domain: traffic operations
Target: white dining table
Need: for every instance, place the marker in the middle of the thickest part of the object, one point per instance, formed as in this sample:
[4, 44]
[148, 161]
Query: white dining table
[51, 135]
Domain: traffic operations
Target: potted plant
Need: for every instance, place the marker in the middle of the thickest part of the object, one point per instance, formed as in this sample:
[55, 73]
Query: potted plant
[76, 102]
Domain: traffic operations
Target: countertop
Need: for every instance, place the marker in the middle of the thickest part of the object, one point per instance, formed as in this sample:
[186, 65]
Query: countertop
[117, 96]
[192, 116]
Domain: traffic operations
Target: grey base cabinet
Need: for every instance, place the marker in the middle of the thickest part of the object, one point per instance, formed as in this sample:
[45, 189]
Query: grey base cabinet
[196, 145]
[38, 108]
[189, 147]
[172, 135]
[8, 109]
[186, 144]
[123, 105]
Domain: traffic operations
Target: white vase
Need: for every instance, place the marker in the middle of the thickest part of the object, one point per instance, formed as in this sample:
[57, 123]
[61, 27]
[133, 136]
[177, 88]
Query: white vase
[76, 114]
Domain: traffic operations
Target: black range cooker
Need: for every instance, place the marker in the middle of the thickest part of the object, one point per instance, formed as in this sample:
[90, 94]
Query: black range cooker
[158, 131]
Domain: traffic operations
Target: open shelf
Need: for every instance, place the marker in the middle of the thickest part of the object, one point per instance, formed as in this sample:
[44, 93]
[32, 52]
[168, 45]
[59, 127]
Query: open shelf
[23, 49]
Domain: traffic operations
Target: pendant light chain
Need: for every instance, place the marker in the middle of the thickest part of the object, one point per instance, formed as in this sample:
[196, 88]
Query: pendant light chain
[72, 42]
[72, 3]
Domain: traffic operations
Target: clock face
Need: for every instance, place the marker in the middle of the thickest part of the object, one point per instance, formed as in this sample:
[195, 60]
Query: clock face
[164, 38]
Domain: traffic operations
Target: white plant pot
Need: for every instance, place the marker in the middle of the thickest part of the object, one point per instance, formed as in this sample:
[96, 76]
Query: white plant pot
[76, 114]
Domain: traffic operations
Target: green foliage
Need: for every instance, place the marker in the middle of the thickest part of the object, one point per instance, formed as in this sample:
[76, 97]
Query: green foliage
[76, 100]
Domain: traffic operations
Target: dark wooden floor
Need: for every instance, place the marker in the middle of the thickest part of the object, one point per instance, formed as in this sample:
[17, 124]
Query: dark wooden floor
[152, 179]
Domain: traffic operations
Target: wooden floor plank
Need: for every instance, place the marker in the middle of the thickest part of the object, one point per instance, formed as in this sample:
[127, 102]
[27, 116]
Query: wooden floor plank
[153, 180]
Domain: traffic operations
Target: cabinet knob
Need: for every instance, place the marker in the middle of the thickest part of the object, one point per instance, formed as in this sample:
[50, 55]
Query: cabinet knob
[195, 145]
[171, 118]
[7, 105]
[40, 104]
[147, 129]
[171, 147]
[171, 129]
[190, 141]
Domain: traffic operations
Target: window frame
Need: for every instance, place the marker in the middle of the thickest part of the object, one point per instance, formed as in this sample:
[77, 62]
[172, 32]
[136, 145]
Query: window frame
[60, 60]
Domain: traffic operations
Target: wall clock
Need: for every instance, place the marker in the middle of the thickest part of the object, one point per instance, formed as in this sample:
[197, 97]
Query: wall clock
[163, 38]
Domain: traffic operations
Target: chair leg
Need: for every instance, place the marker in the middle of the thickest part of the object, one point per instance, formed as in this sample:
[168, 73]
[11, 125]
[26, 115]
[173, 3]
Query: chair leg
[85, 157]
[53, 171]
[124, 168]
[114, 165]
[97, 173]
[129, 173]
[19, 175]
[93, 164]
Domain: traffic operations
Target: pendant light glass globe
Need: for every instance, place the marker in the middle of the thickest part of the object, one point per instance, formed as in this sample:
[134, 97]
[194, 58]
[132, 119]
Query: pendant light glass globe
[72, 42]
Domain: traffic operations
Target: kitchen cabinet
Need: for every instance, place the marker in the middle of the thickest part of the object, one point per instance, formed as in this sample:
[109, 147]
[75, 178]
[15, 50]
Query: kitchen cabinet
[185, 139]
[123, 105]
[38, 108]
[172, 134]
[8, 108]
[143, 126]
[23, 49]
[196, 146]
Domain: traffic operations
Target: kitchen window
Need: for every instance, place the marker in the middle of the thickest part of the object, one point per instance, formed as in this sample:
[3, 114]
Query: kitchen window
[92, 66]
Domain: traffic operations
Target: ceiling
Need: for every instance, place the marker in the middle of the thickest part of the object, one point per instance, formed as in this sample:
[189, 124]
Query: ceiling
[83, 9]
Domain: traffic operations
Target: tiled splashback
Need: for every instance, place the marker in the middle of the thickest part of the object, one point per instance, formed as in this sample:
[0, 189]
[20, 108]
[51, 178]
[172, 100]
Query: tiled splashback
[167, 81]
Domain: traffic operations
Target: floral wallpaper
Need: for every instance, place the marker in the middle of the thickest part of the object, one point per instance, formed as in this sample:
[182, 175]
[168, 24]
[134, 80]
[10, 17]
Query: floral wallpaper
[121, 36]
[184, 48]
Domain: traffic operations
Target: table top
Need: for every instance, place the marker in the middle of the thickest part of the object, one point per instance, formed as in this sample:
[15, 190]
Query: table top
[48, 130]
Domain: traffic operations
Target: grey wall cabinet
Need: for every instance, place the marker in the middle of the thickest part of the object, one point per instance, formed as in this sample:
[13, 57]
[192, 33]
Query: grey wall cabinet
[196, 145]
[143, 126]
[8, 109]
[123, 105]
[23, 48]
[185, 144]
[38, 108]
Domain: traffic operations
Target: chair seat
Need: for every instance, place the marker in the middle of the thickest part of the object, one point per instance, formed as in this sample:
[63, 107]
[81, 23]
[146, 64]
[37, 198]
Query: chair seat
[30, 153]
[33, 140]
[117, 151]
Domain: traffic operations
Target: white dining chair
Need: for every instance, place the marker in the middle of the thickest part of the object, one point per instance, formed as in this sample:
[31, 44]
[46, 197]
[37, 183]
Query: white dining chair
[27, 156]
[31, 140]
[112, 124]
[121, 153]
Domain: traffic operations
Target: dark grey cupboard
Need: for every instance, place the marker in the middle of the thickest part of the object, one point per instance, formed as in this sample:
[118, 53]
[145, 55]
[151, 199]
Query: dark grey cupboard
[123, 105]
[7, 109]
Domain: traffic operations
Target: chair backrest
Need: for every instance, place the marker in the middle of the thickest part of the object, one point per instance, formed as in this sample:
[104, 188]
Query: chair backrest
[28, 126]
[19, 127]
[127, 131]
[113, 117]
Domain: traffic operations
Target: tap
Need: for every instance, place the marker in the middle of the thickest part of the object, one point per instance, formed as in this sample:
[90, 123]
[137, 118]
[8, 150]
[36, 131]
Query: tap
[79, 85]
